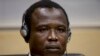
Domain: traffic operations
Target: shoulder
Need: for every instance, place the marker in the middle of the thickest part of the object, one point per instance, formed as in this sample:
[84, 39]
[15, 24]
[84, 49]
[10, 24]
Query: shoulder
[73, 54]
[16, 55]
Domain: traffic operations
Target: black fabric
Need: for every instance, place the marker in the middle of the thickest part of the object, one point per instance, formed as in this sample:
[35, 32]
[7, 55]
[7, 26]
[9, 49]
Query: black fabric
[27, 55]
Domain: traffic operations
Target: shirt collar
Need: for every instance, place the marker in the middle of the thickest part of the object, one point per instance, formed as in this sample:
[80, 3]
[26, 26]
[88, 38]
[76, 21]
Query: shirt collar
[29, 54]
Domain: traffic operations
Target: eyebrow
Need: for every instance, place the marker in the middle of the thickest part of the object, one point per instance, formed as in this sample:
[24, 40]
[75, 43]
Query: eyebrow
[58, 25]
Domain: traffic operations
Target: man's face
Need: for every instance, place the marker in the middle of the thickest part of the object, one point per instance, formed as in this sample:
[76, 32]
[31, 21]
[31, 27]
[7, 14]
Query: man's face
[48, 35]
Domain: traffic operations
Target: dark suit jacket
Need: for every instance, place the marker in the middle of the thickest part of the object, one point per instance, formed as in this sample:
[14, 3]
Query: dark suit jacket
[27, 55]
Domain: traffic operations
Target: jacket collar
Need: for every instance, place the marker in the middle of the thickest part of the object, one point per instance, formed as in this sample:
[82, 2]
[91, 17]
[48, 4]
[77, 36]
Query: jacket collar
[63, 55]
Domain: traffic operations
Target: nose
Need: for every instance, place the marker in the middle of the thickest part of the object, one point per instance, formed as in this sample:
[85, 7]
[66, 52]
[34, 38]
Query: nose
[52, 36]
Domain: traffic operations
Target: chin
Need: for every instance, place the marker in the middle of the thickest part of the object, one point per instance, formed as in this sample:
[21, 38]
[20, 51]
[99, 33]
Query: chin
[51, 54]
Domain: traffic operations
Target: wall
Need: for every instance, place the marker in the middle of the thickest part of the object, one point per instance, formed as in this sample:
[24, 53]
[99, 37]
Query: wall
[80, 12]
[84, 40]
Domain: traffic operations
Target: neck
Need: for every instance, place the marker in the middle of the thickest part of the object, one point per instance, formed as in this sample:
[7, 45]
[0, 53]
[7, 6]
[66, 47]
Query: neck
[33, 54]
[46, 55]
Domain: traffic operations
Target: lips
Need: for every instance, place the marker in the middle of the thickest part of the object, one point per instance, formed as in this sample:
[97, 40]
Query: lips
[53, 48]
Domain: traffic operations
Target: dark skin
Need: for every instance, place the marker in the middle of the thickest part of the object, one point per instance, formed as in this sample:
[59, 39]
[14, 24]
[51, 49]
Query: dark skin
[48, 35]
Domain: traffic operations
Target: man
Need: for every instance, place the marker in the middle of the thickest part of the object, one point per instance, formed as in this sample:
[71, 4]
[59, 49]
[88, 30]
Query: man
[45, 27]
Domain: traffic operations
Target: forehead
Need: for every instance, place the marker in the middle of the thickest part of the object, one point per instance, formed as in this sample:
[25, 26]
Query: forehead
[48, 11]
[48, 15]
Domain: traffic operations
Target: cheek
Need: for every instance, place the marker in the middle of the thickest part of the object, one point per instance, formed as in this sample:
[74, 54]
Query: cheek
[63, 39]
[36, 43]
[38, 39]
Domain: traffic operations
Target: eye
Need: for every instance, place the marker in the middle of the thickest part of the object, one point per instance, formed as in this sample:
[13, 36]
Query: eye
[42, 28]
[61, 29]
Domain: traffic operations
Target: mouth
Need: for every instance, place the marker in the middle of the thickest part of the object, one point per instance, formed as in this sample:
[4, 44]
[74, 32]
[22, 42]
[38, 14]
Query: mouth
[53, 48]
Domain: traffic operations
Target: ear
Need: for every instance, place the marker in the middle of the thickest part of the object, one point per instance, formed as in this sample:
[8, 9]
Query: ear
[69, 36]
